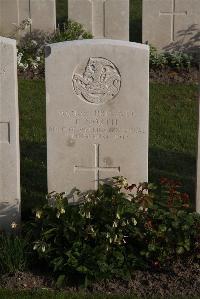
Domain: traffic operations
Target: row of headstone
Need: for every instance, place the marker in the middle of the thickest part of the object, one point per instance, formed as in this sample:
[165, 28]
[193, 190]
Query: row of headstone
[172, 25]
[103, 18]
[42, 14]
[97, 116]
[166, 24]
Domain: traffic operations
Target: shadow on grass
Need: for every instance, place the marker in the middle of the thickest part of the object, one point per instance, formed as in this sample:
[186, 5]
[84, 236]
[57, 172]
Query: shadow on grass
[33, 176]
[173, 165]
[136, 21]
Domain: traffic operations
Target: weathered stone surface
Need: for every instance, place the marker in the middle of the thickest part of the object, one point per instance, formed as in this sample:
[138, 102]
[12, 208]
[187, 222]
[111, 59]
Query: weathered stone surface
[103, 18]
[43, 15]
[13, 12]
[172, 24]
[9, 135]
[97, 113]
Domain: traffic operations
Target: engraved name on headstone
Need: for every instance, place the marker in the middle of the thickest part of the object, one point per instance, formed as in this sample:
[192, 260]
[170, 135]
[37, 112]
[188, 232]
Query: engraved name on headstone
[9, 136]
[103, 18]
[172, 24]
[97, 113]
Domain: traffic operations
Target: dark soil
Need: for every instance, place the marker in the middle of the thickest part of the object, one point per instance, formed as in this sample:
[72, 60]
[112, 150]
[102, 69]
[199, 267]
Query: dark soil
[180, 280]
[169, 75]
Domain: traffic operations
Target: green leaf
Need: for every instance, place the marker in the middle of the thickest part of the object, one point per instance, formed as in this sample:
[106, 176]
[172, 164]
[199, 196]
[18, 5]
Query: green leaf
[180, 250]
[60, 281]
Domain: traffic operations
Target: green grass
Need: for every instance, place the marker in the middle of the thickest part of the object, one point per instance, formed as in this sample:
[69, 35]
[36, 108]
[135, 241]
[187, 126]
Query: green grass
[173, 133]
[135, 17]
[32, 143]
[56, 295]
[172, 141]
[5, 294]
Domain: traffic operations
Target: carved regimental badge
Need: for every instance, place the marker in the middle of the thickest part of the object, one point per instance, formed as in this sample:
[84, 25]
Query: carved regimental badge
[97, 81]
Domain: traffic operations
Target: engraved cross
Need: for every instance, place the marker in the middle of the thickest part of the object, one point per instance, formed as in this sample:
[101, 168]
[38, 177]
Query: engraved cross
[173, 14]
[97, 168]
[98, 18]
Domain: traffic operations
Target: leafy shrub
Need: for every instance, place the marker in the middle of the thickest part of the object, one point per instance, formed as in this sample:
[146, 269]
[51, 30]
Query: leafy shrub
[177, 60]
[13, 253]
[30, 56]
[157, 60]
[115, 230]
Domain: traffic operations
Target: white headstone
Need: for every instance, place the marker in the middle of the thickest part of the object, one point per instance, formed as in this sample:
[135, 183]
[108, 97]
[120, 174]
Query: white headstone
[103, 18]
[9, 135]
[97, 113]
[43, 15]
[172, 24]
[13, 12]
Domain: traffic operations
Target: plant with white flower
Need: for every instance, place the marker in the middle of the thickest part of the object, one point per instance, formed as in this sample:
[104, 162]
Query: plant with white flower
[25, 24]
[34, 64]
[34, 43]
[38, 214]
[134, 221]
[43, 248]
[120, 182]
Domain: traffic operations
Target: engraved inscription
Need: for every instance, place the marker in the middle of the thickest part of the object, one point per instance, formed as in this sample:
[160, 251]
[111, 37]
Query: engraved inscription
[96, 125]
[97, 82]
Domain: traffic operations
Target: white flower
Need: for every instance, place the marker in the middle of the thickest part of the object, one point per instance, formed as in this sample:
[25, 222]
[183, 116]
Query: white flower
[115, 238]
[38, 214]
[35, 247]
[33, 42]
[141, 208]
[62, 211]
[38, 59]
[134, 221]
[146, 210]
[117, 216]
[114, 224]
[107, 235]
[34, 65]
[13, 225]
[43, 248]
[58, 215]
[87, 215]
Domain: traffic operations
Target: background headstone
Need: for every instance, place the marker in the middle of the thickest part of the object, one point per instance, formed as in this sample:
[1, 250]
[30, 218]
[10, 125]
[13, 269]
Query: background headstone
[43, 15]
[172, 24]
[103, 18]
[13, 12]
[97, 113]
[9, 135]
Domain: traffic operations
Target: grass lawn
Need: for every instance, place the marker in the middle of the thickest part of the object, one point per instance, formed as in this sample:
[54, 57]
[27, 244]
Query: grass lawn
[172, 145]
[60, 295]
[135, 17]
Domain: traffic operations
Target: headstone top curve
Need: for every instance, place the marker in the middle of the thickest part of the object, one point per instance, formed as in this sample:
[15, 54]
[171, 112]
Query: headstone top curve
[99, 42]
